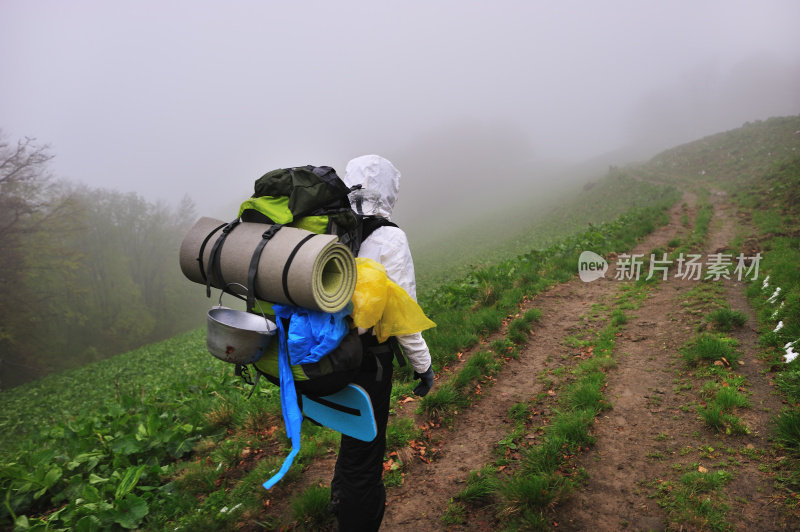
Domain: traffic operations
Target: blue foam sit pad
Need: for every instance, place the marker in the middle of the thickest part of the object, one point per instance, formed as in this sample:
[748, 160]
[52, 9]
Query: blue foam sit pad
[348, 411]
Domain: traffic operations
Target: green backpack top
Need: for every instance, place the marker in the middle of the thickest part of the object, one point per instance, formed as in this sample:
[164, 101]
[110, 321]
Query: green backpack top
[313, 198]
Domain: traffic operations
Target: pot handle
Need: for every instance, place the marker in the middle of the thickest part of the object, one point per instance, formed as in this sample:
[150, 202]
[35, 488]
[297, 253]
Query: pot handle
[243, 287]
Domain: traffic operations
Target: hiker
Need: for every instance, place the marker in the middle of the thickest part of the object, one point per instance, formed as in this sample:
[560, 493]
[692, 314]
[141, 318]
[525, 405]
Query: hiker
[358, 496]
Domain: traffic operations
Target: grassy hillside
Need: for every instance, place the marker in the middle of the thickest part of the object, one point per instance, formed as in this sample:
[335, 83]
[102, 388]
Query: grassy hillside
[508, 231]
[165, 436]
[731, 157]
[552, 213]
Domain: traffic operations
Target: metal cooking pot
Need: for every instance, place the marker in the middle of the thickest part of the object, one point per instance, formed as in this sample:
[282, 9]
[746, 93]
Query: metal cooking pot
[237, 336]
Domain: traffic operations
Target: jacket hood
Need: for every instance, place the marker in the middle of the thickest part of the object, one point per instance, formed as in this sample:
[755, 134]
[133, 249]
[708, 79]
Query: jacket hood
[379, 181]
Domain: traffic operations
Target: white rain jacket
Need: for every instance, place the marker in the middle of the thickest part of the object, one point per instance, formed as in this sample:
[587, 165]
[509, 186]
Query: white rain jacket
[379, 181]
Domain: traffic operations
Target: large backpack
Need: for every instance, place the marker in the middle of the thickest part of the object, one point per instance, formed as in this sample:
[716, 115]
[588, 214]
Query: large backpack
[314, 199]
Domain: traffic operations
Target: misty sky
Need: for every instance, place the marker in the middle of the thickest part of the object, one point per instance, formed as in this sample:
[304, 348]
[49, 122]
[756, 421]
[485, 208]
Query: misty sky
[162, 97]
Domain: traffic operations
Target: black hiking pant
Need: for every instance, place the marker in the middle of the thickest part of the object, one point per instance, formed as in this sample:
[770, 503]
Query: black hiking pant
[358, 497]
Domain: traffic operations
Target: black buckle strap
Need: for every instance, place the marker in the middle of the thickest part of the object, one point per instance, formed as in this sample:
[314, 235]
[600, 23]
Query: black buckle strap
[397, 350]
[203, 249]
[379, 368]
[242, 371]
[255, 384]
[389, 347]
[285, 274]
[254, 260]
[215, 271]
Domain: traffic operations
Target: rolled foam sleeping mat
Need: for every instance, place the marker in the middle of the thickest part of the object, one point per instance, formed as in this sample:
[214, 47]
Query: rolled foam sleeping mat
[296, 267]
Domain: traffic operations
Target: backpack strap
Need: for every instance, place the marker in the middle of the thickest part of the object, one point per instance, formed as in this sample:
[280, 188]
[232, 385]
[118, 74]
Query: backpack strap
[394, 344]
[369, 224]
[215, 271]
[390, 347]
[203, 250]
[285, 273]
[254, 260]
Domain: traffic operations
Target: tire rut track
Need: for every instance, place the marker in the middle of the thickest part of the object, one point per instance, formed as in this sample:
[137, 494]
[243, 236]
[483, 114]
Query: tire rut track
[650, 431]
[640, 391]
[423, 498]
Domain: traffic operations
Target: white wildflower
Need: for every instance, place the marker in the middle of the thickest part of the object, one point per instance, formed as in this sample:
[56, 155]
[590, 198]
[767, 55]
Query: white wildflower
[790, 353]
[774, 295]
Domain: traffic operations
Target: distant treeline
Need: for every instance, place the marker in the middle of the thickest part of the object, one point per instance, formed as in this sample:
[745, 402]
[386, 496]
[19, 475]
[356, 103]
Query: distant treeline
[84, 273]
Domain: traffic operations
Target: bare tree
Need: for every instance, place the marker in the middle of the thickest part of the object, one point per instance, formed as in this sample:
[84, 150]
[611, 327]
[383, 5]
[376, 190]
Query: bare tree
[84, 274]
[23, 179]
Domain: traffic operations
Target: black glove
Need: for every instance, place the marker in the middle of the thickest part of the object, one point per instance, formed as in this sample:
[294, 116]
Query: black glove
[426, 382]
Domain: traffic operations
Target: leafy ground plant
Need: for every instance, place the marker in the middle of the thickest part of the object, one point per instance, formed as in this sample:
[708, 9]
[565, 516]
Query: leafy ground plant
[481, 486]
[787, 429]
[725, 319]
[310, 509]
[441, 402]
[708, 347]
[696, 500]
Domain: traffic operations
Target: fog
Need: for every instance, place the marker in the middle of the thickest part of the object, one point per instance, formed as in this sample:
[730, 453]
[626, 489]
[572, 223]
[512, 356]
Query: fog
[467, 98]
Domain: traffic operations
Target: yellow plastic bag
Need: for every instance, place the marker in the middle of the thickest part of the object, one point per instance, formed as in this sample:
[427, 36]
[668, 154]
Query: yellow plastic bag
[381, 303]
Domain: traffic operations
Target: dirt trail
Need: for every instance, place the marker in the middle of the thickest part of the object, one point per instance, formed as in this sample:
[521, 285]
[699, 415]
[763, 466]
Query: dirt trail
[750, 482]
[644, 403]
[650, 433]
[644, 406]
[423, 499]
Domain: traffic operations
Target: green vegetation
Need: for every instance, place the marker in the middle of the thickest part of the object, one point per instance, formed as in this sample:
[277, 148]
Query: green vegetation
[787, 429]
[701, 221]
[725, 319]
[111, 455]
[87, 273]
[442, 401]
[696, 500]
[481, 486]
[705, 296]
[480, 364]
[708, 347]
[399, 432]
[107, 464]
[717, 353]
[518, 331]
[697, 497]
[310, 509]
[732, 158]
[735, 161]
[718, 417]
